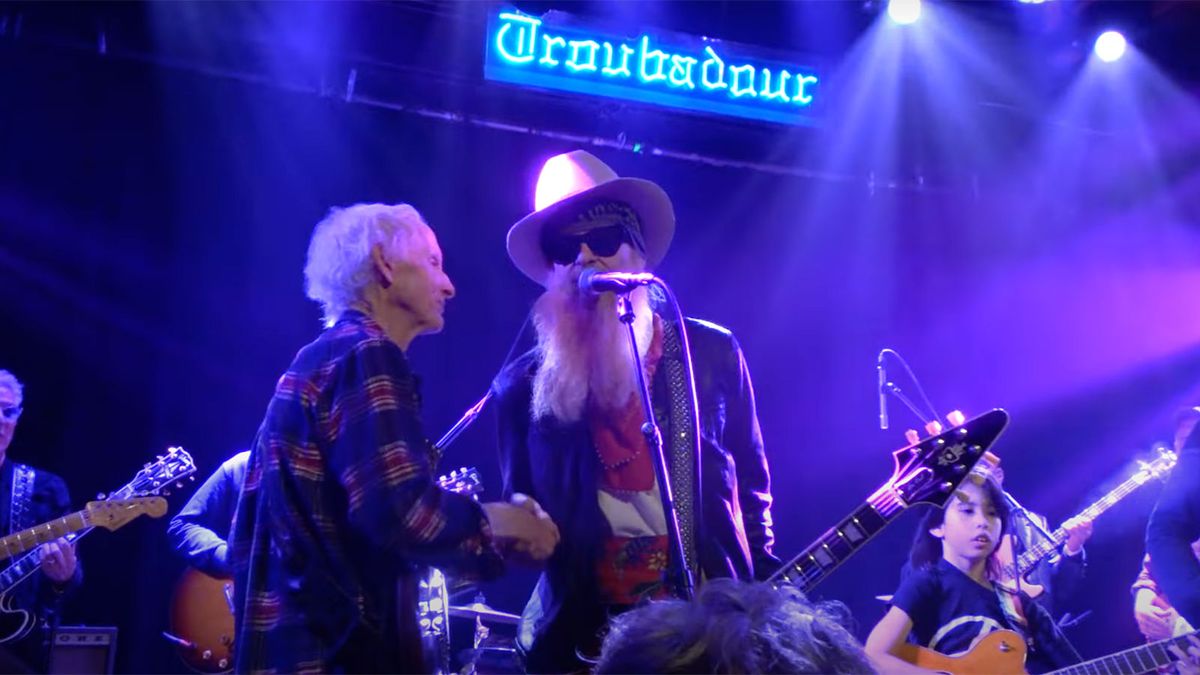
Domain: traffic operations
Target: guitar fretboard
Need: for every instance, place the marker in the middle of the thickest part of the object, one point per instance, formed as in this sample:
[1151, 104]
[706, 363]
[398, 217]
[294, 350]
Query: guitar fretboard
[1134, 661]
[816, 562]
[20, 542]
[1034, 554]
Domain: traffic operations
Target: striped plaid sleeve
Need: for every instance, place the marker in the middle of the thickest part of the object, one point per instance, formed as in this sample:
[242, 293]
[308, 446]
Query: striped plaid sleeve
[377, 452]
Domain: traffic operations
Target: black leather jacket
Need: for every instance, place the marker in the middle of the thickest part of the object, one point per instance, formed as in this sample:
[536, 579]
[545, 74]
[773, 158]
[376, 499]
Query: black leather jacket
[558, 466]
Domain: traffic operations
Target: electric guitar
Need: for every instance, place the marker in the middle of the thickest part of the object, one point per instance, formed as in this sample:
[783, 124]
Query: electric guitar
[202, 624]
[1003, 652]
[1012, 575]
[154, 479]
[925, 472]
[109, 514]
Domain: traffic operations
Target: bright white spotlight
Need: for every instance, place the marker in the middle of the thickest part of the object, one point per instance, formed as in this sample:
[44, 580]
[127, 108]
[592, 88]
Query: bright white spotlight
[1110, 46]
[904, 12]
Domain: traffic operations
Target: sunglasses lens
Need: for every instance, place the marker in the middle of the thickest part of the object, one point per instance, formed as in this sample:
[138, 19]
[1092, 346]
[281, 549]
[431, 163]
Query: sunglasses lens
[606, 240]
[561, 250]
[564, 249]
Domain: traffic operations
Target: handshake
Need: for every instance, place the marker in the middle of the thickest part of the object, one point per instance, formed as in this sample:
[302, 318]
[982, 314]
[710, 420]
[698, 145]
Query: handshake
[521, 526]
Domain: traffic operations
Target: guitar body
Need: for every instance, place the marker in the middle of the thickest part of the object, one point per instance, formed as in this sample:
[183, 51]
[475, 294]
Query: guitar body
[1007, 575]
[1001, 652]
[202, 614]
[15, 623]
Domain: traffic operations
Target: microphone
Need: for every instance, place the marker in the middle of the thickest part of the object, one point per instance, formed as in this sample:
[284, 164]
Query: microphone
[593, 282]
[883, 416]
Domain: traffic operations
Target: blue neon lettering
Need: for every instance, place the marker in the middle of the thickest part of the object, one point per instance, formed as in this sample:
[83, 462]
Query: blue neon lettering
[621, 70]
[550, 42]
[800, 96]
[578, 46]
[681, 71]
[747, 89]
[647, 54]
[525, 39]
[715, 62]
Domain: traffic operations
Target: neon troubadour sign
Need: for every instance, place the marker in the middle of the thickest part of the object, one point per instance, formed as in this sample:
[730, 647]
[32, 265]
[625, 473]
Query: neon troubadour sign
[707, 75]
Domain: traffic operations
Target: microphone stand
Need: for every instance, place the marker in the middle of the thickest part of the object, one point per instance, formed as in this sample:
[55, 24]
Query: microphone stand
[461, 425]
[685, 585]
[1015, 507]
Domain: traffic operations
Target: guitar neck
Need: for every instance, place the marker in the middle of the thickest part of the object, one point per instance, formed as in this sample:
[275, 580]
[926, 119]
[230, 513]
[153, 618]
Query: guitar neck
[1133, 661]
[816, 562]
[29, 563]
[20, 542]
[1036, 553]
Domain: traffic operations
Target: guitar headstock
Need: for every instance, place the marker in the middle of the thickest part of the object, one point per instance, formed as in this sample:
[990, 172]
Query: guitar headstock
[159, 476]
[928, 471]
[463, 480]
[114, 513]
[1159, 467]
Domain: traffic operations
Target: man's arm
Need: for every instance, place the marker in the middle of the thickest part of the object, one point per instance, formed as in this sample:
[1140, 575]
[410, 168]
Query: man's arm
[513, 420]
[1173, 526]
[743, 439]
[201, 528]
[378, 452]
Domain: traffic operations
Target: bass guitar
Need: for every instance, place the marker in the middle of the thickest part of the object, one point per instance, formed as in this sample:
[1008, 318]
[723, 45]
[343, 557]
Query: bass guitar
[1012, 575]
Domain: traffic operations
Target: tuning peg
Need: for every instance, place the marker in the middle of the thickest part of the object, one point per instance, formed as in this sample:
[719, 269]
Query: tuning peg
[912, 436]
[100, 495]
[934, 428]
[956, 418]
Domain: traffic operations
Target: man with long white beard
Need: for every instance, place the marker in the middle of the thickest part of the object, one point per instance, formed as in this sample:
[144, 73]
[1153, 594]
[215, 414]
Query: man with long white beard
[571, 416]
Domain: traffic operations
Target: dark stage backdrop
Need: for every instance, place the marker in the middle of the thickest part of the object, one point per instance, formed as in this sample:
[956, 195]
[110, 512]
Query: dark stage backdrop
[153, 225]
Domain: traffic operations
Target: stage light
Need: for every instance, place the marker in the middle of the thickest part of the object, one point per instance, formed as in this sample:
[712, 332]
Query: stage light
[1110, 46]
[904, 12]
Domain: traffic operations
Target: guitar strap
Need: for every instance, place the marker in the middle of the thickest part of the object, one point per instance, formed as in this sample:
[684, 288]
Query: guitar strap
[22, 492]
[1014, 611]
[681, 443]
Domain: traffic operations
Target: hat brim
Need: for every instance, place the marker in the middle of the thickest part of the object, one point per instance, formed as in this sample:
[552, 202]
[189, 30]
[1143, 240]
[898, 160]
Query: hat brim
[651, 203]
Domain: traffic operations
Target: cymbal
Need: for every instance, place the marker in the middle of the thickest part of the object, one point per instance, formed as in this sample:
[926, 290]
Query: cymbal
[483, 612]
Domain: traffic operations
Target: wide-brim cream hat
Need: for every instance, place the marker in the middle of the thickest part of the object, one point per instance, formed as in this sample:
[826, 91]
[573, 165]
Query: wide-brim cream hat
[567, 181]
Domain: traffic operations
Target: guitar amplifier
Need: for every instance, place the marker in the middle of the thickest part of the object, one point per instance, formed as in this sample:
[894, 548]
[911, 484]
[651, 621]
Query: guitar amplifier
[83, 649]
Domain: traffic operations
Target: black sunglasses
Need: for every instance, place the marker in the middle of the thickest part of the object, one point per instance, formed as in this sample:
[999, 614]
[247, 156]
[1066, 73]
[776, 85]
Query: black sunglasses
[603, 241]
[11, 413]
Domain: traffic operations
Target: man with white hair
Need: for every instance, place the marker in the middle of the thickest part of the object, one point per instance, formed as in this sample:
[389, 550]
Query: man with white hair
[30, 497]
[340, 503]
[571, 416]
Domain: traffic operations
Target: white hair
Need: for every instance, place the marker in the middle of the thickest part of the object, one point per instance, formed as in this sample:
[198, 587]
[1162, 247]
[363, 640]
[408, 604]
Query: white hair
[10, 382]
[339, 255]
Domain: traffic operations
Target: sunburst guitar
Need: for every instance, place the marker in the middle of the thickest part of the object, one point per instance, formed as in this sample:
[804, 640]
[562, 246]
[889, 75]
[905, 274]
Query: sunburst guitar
[1003, 652]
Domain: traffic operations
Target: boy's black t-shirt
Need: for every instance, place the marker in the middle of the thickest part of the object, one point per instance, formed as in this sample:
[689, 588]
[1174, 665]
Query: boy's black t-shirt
[951, 613]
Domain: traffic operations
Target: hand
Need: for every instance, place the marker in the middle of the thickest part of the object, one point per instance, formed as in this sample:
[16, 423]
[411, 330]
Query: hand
[1189, 663]
[1154, 621]
[58, 560]
[522, 525]
[1079, 530]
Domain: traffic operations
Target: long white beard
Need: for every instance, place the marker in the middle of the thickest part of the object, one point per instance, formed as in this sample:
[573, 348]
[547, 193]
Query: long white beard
[585, 350]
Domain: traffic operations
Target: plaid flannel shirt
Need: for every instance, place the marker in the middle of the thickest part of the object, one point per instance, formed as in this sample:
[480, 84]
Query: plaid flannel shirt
[339, 505]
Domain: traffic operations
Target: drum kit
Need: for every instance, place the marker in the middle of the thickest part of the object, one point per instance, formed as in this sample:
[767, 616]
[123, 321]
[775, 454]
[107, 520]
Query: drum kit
[489, 654]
